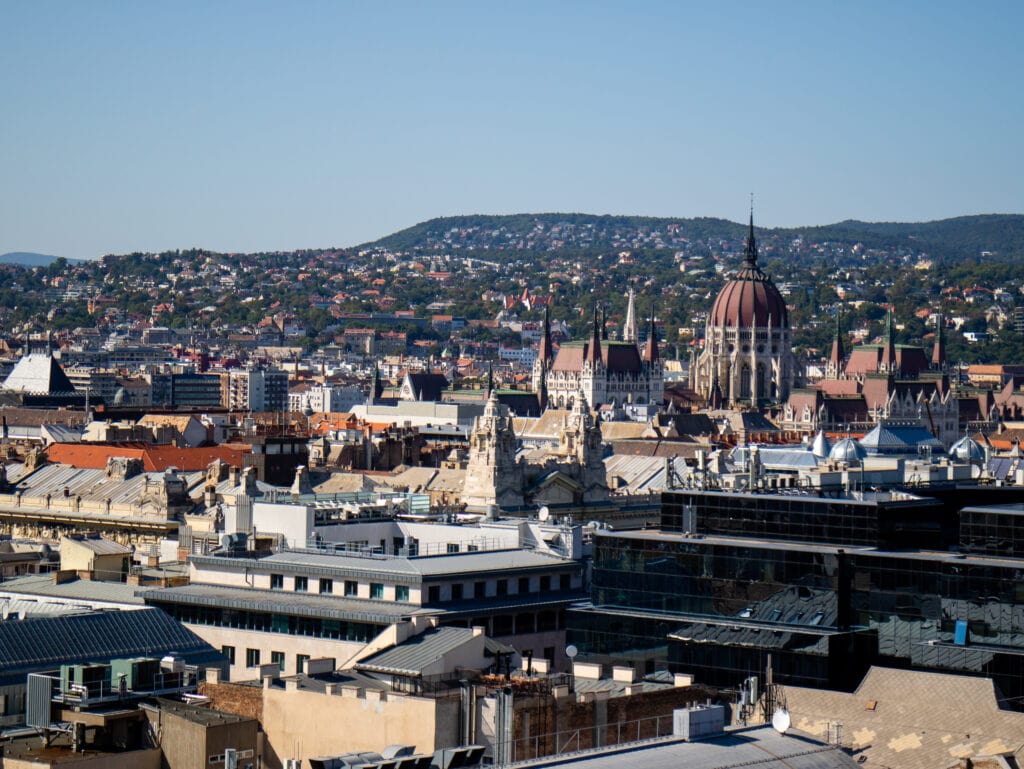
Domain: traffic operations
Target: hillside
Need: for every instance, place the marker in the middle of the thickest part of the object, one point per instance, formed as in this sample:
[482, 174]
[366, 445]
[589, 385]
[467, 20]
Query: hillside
[29, 259]
[996, 236]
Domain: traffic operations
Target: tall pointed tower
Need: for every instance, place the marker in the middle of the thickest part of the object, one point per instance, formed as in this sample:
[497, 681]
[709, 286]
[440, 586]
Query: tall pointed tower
[939, 351]
[834, 369]
[653, 365]
[592, 379]
[629, 330]
[541, 366]
[888, 364]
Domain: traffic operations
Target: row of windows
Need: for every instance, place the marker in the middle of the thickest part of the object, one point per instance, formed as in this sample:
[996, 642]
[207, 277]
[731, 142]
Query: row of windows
[459, 590]
[252, 658]
[315, 627]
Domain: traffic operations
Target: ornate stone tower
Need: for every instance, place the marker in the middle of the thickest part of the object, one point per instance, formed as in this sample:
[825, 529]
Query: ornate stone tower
[494, 478]
[748, 350]
[580, 443]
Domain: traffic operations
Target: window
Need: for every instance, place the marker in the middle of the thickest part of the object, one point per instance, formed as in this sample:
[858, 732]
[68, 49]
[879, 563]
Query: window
[351, 587]
[434, 593]
[402, 593]
[453, 547]
[502, 587]
[565, 581]
[326, 585]
[301, 584]
[479, 589]
[278, 658]
[300, 662]
[524, 584]
[376, 590]
[229, 652]
[277, 581]
[457, 591]
[545, 583]
[252, 658]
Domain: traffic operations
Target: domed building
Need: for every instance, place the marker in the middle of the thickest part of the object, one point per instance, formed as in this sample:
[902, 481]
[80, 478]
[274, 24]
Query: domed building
[747, 358]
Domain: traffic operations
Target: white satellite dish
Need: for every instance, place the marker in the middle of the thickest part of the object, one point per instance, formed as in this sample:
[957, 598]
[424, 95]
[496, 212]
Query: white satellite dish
[571, 651]
[543, 514]
[781, 721]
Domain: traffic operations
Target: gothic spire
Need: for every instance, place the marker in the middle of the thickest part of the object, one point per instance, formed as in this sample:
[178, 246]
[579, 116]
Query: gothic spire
[594, 348]
[939, 352]
[750, 252]
[651, 348]
[838, 354]
[604, 324]
[888, 362]
[544, 352]
[629, 327]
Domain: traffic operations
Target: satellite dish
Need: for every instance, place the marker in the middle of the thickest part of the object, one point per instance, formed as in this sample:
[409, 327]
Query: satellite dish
[543, 514]
[781, 721]
[571, 651]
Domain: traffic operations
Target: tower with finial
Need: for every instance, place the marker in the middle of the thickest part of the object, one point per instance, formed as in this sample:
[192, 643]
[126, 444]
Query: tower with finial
[748, 353]
[629, 329]
[834, 368]
[939, 351]
[888, 363]
[542, 365]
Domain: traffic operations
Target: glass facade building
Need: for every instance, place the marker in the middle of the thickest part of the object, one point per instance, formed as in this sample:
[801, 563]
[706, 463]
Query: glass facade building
[814, 582]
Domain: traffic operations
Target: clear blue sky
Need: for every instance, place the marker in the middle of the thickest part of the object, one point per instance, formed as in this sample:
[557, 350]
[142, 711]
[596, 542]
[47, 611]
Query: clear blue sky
[248, 126]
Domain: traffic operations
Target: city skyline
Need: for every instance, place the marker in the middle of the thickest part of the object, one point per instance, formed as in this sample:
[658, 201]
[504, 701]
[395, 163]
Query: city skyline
[245, 127]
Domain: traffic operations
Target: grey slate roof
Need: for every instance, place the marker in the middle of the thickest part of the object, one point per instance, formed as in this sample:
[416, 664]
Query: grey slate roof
[410, 657]
[101, 545]
[42, 585]
[280, 602]
[416, 569]
[759, 746]
[890, 439]
[47, 642]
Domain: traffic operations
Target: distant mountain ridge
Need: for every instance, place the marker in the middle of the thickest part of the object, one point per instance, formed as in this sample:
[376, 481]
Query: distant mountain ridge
[30, 259]
[1000, 235]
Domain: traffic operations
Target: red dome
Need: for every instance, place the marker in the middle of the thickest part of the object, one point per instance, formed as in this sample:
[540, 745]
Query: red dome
[750, 298]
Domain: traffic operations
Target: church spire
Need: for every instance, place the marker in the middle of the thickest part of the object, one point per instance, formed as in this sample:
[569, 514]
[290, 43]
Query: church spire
[604, 323]
[629, 328]
[545, 352]
[651, 348]
[594, 348]
[750, 252]
[838, 354]
[888, 362]
[939, 352]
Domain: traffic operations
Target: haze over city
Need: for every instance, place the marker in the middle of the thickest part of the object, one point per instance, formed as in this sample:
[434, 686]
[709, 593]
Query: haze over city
[251, 126]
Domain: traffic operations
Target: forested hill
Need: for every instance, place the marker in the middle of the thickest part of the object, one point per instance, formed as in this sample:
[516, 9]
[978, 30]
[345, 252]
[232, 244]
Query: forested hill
[999, 237]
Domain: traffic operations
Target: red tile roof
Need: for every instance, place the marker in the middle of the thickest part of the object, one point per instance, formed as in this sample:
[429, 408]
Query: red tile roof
[155, 459]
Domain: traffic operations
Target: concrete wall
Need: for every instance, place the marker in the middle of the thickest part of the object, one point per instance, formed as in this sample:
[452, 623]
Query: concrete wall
[305, 724]
[267, 642]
